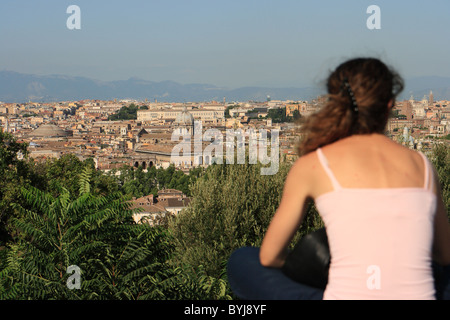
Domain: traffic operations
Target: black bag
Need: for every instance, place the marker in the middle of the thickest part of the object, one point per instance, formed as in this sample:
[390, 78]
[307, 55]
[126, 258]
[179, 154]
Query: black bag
[309, 261]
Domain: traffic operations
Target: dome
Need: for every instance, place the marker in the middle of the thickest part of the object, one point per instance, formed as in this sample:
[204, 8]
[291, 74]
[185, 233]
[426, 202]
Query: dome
[49, 131]
[184, 118]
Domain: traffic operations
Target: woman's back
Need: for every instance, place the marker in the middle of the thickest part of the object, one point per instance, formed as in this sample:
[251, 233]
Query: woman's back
[381, 203]
[371, 161]
[377, 203]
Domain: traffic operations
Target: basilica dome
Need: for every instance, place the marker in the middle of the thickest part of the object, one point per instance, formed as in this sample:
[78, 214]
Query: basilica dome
[184, 118]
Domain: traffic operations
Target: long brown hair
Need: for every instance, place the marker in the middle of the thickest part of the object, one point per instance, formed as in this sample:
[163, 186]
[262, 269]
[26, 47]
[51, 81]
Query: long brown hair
[359, 92]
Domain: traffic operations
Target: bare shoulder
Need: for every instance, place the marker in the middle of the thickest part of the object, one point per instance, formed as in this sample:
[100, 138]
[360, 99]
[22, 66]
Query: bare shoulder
[406, 155]
[366, 146]
[305, 164]
[374, 161]
[303, 174]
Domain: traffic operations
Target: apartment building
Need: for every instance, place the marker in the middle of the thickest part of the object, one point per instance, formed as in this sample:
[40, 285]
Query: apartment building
[213, 115]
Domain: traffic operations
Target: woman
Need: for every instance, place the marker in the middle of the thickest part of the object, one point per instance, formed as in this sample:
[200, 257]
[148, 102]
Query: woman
[380, 202]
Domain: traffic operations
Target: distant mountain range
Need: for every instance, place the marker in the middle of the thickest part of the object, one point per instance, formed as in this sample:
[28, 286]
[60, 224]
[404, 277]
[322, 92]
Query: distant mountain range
[19, 87]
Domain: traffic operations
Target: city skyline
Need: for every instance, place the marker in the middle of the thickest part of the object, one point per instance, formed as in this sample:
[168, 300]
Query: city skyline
[225, 43]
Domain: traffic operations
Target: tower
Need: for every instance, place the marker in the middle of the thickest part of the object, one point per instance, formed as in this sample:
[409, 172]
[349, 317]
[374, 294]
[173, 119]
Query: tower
[184, 122]
[405, 134]
[430, 98]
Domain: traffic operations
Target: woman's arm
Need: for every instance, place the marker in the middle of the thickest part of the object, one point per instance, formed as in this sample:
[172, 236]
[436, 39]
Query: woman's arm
[288, 216]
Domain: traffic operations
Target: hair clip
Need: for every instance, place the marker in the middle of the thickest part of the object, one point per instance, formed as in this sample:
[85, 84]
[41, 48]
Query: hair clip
[352, 96]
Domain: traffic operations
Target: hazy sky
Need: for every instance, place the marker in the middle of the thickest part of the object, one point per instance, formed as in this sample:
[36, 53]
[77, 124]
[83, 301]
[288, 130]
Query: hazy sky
[229, 43]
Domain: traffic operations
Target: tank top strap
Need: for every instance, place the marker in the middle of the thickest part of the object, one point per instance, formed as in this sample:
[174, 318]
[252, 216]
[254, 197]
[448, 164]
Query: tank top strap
[324, 162]
[428, 173]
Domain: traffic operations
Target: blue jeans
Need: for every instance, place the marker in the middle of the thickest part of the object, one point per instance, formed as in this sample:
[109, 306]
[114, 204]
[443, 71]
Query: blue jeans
[249, 280]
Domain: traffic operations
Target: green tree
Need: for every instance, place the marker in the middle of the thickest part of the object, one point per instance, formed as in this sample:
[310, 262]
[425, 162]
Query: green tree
[135, 182]
[118, 258]
[104, 183]
[63, 173]
[232, 207]
[127, 113]
[440, 158]
[227, 110]
[278, 115]
[296, 115]
[16, 170]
